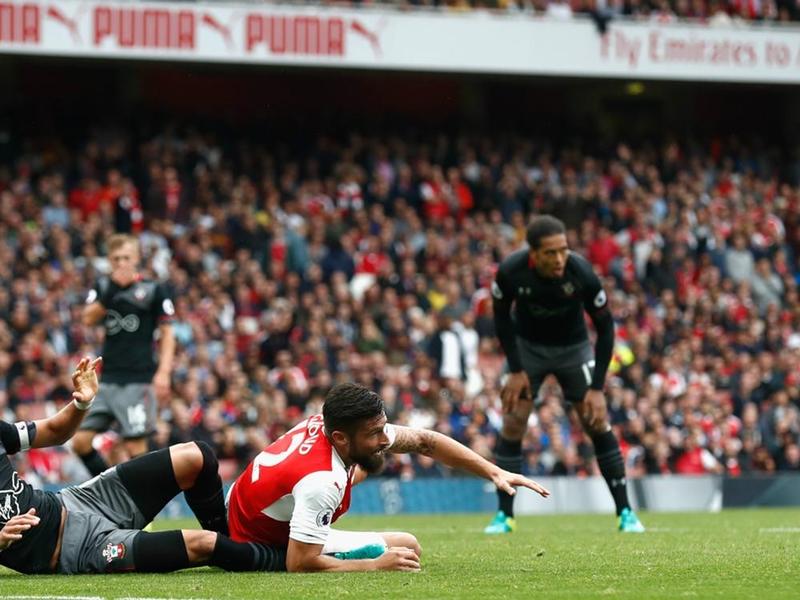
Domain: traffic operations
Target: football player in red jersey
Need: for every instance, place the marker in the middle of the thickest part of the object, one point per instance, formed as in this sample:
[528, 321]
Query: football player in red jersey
[293, 491]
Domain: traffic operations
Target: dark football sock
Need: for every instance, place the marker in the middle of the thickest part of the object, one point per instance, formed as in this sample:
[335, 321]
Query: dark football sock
[508, 456]
[205, 497]
[247, 556]
[160, 552]
[612, 466]
[150, 481]
[94, 462]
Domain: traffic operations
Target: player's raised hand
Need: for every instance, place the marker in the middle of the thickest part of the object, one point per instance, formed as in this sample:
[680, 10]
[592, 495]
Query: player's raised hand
[84, 379]
[507, 481]
[518, 386]
[398, 559]
[16, 526]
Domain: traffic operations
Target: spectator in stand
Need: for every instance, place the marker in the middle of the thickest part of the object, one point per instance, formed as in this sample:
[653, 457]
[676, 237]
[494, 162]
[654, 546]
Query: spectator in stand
[295, 269]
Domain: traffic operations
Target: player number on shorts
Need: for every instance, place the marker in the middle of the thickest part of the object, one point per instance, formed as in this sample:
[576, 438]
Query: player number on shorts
[267, 459]
[588, 369]
[137, 417]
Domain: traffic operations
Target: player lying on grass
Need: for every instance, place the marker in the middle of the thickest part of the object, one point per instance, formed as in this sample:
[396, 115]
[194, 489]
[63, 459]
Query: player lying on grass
[95, 527]
[293, 491]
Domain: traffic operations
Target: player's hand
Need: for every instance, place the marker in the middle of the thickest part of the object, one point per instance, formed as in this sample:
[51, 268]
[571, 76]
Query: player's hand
[595, 411]
[162, 385]
[16, 527]
[398, 559]
[84, 379]
[507, 481]
[518, 386]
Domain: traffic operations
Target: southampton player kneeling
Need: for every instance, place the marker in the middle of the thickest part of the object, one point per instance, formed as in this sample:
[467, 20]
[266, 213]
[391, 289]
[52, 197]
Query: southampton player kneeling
[293, 491]
[96, 527]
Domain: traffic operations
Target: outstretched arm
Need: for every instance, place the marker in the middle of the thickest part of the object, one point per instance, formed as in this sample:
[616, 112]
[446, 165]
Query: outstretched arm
[453, 454]
[308, 558]
[57, 429]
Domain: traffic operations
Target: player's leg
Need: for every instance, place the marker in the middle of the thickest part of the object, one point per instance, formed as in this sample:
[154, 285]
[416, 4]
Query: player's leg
[131, 494]
[167, 551]
[575, 381]
[508, 448]
[508, 456]
[98, 420]
[91, 544]
[192, 468]
[135, 409]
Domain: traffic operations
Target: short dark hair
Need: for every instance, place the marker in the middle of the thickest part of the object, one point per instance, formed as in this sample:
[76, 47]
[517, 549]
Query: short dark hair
[542, 227]
[347, 405]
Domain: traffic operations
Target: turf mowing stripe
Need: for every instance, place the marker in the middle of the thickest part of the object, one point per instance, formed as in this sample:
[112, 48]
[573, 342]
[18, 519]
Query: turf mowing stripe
[779, 530]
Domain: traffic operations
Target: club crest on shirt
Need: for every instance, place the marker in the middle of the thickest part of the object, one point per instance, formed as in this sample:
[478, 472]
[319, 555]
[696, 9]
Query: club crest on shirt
[139, 293]
[569, 288]
[114, 552]
[324, 518]
[9, 505]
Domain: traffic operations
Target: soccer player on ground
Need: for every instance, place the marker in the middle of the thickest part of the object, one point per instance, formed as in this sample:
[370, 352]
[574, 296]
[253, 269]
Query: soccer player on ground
[293, 491]
[95, 527]
[549, 288]
[132, 309]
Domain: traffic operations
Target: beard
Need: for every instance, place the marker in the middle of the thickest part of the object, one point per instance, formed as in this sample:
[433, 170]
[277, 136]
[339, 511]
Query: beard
[371, 463]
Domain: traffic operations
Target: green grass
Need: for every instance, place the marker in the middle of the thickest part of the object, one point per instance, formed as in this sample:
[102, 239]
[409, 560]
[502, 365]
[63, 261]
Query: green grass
[733, 554]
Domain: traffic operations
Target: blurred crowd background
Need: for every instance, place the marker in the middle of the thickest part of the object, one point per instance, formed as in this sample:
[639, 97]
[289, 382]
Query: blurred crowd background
[710, 12]
[347, 258]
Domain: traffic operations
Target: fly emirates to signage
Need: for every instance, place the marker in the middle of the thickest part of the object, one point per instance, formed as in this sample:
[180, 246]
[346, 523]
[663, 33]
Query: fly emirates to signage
[420, 41]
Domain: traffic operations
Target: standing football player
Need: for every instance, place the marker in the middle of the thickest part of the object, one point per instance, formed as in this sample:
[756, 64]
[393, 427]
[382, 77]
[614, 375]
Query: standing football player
[294, 490]
[132, 308]
[540, 295]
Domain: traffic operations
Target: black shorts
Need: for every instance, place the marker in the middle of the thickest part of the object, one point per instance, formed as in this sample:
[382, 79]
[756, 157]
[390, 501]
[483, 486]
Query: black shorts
[572, 366]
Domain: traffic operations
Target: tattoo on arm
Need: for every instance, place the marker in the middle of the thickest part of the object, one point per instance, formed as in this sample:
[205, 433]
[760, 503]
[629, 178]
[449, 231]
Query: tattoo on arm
[414, 440]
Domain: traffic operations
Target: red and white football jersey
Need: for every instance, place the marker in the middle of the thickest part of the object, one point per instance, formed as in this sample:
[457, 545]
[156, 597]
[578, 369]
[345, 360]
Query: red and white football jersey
[294, 489]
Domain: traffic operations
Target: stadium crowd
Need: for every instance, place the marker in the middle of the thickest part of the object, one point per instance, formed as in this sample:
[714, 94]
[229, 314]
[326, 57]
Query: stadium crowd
[370, 259]
[711, 12]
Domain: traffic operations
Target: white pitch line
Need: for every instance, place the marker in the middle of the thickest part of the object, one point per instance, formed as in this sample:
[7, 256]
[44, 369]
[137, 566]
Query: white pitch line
[779, 530]
[46, 597]
[53, 597]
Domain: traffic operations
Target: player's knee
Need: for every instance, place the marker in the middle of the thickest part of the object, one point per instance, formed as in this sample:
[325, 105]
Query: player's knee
[187, 463]
[210, 464]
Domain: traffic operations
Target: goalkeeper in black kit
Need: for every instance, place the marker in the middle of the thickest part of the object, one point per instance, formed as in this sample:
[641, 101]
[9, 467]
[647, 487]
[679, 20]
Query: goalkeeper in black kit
[540, 295]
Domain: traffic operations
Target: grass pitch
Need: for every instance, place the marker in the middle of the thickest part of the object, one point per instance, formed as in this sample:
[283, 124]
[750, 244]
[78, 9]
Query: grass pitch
[733, 554]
